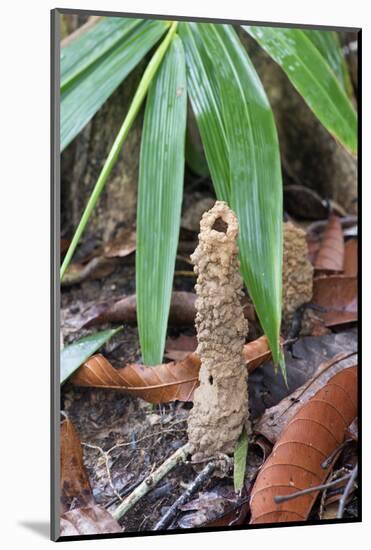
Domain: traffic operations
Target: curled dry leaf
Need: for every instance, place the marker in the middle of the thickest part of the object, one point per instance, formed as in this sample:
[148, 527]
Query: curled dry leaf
[75, 485]
[257, 352]
[330, 256]
[351, 258]
[182, 311]
[92, 520]
[336, 297]
[295, 463]
[175, 381]
[158, 384]
[314, 244]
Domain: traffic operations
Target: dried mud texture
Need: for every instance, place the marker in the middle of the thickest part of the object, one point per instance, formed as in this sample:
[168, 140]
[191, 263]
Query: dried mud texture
[220, 402]
[297, 272]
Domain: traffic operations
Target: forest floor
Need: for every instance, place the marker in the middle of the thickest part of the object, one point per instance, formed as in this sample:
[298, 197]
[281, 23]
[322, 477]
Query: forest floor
[140, 436]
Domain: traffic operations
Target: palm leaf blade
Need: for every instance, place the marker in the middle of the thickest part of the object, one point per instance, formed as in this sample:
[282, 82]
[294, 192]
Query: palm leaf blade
[92, 45]
[313, 78]
[205, 102]
[328, 44]
[160, 194]
[91, 87]
[255, 174]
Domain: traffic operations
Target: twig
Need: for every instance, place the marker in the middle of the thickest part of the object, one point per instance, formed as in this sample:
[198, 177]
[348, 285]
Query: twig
[335, 491]
[184, 273]
[171, 513]
[105, 455]
[202, 460]
[125, 491]
[127, 444]
[285, 498]
[151, 480]
[347, 490]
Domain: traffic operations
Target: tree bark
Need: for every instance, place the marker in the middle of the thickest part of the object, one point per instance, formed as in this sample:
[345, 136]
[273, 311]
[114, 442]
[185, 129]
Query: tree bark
[83, 160]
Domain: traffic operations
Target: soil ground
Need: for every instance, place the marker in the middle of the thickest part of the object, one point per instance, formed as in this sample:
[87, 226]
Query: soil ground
[145, 435]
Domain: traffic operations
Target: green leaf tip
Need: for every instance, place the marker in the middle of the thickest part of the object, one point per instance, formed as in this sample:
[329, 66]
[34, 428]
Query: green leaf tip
[76, 353]
[310, 73]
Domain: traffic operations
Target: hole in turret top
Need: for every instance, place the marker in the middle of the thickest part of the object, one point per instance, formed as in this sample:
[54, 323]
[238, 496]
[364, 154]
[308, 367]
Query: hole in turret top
[220, 225]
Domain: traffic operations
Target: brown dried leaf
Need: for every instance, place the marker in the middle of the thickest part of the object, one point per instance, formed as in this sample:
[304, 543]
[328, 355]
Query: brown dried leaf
[351, 258]
[257, 352]
[122, 245]
[175, 381]
[158, 384]
[75, 485]
[314, 432]
[274, 419]
[337, 295]
[331, 253]
[314, 244]
[92, 520]
[182, 311]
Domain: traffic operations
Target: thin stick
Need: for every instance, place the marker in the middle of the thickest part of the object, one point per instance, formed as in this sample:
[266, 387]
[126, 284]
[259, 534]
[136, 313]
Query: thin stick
[105, 455]
[171, 513]
[285, 498]
[150, 481]
[125, 491]
[347, 490]
[184, 273]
